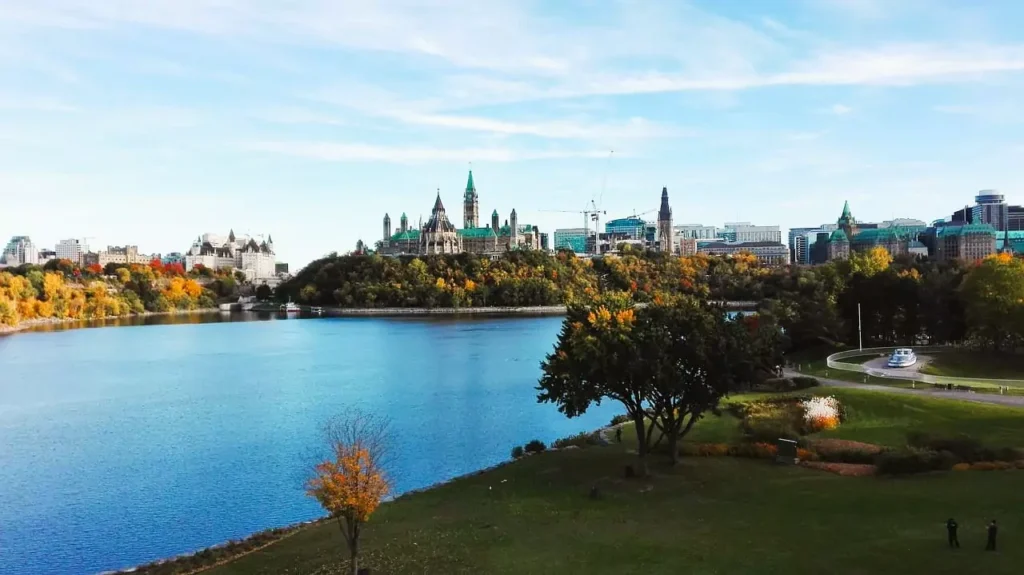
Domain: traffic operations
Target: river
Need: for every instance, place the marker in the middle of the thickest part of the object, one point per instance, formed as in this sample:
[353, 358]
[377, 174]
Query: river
[123, 445]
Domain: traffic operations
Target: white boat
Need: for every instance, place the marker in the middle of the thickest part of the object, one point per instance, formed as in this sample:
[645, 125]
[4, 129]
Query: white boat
[902, 357]
[290, 307]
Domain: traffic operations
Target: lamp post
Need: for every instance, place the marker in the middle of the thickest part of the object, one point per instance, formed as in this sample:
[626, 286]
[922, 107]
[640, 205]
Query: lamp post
[860, 331]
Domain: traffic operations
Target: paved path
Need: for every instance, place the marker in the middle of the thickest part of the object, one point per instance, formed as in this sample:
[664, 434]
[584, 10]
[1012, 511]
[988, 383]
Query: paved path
[990, 398]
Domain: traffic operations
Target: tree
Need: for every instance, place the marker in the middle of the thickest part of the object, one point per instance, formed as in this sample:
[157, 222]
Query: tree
[595, 358]
[351, 481]
[263, 292]
[993, 292]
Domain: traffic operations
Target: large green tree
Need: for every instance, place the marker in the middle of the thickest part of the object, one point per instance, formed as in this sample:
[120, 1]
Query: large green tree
[668, 363]
[994, 295]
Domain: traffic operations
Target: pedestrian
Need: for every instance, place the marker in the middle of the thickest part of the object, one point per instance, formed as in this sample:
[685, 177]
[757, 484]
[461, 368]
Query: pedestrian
[992, 531]
[618, 434]
[951, 527]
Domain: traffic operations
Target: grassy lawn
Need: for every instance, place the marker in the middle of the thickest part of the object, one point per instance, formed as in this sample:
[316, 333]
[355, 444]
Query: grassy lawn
[980, 365]
[709, 515]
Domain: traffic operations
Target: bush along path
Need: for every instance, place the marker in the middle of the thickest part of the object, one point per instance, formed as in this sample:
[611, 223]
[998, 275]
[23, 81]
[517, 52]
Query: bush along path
[992, 399]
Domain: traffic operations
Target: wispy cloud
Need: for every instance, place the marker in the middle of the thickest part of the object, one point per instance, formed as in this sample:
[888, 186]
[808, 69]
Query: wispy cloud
[35, 104]
[346, 152]
[838, 109]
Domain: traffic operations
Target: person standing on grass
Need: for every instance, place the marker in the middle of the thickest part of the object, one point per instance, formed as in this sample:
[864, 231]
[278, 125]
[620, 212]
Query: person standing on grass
[951, 527]
[992, 531]
[618, 434]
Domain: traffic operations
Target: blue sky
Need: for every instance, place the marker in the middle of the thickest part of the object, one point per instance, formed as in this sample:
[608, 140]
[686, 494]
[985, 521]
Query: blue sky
[152, 121]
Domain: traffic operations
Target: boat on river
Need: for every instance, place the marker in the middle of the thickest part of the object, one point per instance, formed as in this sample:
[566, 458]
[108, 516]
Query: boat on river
[902, 357]
[290, 307]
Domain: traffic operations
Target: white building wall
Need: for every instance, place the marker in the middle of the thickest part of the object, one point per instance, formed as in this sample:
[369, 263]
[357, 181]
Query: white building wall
[71, 250]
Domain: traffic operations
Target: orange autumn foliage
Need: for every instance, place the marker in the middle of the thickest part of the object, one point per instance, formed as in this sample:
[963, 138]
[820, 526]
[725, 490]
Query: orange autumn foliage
[349, 486]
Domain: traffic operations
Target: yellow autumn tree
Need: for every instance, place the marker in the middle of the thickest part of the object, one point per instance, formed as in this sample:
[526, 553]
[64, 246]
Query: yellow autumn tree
[351, 482]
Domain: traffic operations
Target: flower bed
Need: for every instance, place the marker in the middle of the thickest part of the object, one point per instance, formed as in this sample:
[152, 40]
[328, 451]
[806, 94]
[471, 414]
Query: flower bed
[820, 413]
[844, 469]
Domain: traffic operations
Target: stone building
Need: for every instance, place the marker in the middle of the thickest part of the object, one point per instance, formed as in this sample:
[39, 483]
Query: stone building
[440, 236]
[968, 243]
[242, 252]
[853, 236]
[838, 246]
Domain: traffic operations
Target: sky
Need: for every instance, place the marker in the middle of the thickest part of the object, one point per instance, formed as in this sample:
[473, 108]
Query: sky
[149, 122]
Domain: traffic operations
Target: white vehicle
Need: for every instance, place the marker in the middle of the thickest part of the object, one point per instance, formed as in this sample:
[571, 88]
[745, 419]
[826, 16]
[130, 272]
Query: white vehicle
[903, 357]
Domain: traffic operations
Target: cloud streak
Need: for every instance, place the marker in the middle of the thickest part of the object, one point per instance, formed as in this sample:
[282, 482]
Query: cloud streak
[355, 152]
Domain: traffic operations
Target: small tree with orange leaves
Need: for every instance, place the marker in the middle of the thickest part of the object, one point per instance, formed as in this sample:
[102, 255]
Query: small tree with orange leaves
[351, 482]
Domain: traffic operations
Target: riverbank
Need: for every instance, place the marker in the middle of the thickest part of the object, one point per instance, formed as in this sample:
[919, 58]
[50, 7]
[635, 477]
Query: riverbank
[536, 514]
[53, 321]
[413, 311]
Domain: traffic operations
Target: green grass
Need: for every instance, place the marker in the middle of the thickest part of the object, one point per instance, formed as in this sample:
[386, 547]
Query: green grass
[714, 515]
[978, 364]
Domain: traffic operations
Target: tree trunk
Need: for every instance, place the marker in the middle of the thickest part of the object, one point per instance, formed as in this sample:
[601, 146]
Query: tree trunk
[641, 446]
[353, 547]
[673, 447]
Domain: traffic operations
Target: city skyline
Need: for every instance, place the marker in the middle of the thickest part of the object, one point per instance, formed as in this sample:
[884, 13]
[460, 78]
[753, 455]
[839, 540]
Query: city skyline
[137, 125]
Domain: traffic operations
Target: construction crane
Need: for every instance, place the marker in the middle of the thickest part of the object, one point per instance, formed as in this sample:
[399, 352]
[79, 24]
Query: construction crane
[592, 211]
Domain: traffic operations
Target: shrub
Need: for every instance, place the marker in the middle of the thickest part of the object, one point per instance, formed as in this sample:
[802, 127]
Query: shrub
[535, 446]
[777, 384]
[804, 382]
[914, 461]
[965, 448]
[517, 452]
[620, 419]
[582, 439]
[961, 467]
[806, 455]
[758, 450]
[713, 449]
[769, 430]
[858, 456]
[991, 466]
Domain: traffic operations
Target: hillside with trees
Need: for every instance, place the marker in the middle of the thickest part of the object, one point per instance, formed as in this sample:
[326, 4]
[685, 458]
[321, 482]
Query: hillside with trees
[906, 301]
[62, 290]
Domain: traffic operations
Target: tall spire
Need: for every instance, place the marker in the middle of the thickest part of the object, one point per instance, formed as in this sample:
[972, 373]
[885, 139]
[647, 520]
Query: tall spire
[470, 187]
[438, 206]
[846, 210]
[231, 235]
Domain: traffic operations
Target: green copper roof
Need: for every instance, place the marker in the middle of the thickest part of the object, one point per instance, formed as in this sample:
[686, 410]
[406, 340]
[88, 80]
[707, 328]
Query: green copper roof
[494, 213]
[476, 233]
[838, 236]
[403, 216]
[469, 184]
[846, 211]
[968, 229]
[407, 236]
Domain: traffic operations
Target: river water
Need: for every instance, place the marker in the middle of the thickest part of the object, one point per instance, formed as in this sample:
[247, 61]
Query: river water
[122, 445]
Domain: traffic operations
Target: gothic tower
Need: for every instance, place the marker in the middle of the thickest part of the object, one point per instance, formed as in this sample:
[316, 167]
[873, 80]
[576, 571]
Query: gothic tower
[513, 230]
[387, 229]
[847, 222]
[404, 223]
[665, 224]
[495, 224]
[471, 205]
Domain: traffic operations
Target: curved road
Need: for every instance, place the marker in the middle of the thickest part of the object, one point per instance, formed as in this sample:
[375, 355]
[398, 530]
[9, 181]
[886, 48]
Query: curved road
[993, 399]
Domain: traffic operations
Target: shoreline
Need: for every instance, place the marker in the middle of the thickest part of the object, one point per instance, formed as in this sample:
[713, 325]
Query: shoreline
[30, 324]
[419, 311]
[602, 434]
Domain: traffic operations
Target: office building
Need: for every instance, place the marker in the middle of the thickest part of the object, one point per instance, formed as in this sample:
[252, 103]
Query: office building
[574, 239]
[687, 246]
[125, 255]
[72, 250]
[745, 232]
[20, 251]
[991, 208]
[1015, 218]
[767, 253]
[697, 232]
